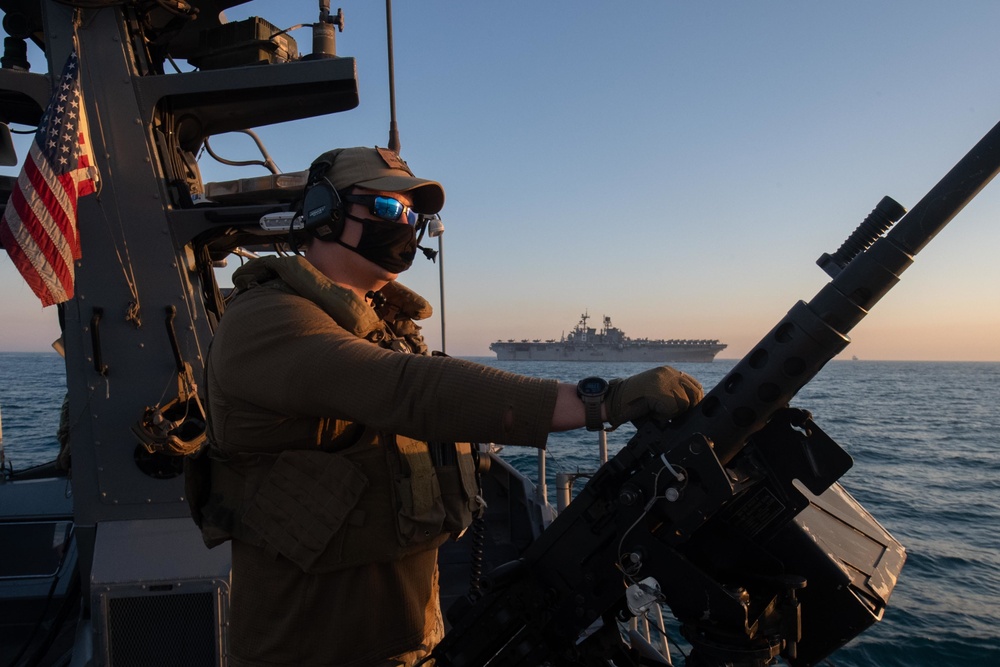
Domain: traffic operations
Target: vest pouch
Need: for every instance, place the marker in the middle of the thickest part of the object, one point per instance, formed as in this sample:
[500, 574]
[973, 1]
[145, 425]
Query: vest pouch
[419, 508]
[303, 502]
[458, 515]
[215, 486]
[460, 491]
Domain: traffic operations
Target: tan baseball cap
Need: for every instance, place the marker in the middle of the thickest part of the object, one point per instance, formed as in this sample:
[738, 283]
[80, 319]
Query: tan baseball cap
[381, 169]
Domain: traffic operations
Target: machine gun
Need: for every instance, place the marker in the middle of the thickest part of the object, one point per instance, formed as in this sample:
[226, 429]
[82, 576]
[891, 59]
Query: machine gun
[731, 514]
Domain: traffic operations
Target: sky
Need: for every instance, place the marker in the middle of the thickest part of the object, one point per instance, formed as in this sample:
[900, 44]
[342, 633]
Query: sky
[677, 166]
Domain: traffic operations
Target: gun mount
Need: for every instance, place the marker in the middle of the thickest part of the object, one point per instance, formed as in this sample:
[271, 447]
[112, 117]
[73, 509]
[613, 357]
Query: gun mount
[730, 515]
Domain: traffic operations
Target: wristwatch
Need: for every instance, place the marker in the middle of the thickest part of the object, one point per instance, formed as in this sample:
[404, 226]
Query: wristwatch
[592, 391]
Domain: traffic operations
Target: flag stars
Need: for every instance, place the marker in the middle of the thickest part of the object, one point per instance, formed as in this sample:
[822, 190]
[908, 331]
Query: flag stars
[57, 133]
[57, 154]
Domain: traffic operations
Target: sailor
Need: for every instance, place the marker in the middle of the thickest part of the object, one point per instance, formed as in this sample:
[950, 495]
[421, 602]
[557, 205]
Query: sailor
[322, 402]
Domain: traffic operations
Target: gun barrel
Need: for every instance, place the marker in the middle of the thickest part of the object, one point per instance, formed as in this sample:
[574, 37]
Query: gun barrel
[792, 353]
[946, 199]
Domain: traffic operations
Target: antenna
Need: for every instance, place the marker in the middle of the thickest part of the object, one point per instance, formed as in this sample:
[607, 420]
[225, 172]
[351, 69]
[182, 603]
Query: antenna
[435, 229]
[393, 130]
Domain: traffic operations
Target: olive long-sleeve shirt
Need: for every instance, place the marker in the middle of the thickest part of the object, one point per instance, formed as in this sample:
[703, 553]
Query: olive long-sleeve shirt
[283, 373]
[279, 364]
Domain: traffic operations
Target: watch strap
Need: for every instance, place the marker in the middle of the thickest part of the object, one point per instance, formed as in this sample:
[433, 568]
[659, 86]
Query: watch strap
[592, 412]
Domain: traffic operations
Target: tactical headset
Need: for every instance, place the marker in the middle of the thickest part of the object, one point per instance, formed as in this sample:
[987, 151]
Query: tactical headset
[322, 209]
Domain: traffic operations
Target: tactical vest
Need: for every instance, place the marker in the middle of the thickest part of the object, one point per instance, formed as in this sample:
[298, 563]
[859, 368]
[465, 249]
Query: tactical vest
[382, 498]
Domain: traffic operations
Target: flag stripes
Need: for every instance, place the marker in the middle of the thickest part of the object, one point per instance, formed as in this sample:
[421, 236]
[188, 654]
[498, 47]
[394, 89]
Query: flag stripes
[39, 226]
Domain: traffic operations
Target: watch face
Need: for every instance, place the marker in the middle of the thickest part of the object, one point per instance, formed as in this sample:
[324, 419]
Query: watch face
[592, 386]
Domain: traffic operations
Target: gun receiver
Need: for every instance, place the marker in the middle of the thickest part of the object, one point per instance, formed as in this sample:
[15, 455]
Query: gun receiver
[733, 509]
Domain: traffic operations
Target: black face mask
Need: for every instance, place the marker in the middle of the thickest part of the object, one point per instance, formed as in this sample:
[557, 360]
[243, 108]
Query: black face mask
[391, 245]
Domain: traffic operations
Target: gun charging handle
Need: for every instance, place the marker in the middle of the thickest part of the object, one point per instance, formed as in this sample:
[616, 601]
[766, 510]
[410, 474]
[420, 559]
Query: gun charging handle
[883, 216]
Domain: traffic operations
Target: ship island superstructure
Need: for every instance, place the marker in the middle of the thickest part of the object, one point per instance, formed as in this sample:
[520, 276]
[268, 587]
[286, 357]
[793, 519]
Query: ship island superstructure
[585, 343]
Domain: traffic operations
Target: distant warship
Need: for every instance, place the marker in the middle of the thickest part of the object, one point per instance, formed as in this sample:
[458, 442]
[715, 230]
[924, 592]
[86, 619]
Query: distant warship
[584, 343]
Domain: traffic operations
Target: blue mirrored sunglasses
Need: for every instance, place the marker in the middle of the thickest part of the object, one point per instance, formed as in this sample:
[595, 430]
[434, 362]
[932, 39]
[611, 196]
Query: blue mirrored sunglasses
[386, 208]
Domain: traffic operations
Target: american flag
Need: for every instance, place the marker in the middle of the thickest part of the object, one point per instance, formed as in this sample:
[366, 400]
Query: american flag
[38, 229]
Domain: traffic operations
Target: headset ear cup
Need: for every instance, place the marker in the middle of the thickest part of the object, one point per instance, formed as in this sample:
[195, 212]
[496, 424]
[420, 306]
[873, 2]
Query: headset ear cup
[322, 212]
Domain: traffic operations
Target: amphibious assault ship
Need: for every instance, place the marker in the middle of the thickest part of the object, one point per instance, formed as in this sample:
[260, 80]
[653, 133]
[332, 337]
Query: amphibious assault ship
[585, 343]
[731, 518]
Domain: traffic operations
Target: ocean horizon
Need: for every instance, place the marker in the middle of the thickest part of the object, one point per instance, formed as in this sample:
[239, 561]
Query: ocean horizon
[924, 436]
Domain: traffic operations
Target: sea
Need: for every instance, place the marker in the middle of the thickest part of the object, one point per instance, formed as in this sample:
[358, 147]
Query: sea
[925, 438]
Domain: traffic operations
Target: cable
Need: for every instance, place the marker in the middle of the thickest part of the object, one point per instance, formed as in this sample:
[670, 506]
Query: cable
[681, 476]
[267, 162]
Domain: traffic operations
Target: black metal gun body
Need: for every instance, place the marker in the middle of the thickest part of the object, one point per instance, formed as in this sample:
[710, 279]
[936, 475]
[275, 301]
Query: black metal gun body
[733, 509]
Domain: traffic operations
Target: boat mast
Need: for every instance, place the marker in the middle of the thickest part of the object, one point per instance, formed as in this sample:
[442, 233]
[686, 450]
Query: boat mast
[146, 302]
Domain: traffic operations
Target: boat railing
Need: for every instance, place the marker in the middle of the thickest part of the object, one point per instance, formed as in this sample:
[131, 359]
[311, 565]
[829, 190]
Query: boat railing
[565, 480]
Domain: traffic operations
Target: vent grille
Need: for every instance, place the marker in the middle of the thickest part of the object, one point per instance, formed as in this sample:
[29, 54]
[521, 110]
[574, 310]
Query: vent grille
[167, 630]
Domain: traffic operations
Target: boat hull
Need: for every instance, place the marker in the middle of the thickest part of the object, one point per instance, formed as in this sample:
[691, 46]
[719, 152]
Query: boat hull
[564, 352]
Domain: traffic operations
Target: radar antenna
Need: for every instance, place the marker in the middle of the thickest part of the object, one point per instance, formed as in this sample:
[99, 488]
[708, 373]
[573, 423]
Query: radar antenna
[393, 130]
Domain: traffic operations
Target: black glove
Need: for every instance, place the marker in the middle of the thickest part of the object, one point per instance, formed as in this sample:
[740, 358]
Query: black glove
[660, 393]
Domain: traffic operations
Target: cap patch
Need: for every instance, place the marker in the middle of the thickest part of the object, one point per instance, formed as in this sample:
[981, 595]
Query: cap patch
[392, 160]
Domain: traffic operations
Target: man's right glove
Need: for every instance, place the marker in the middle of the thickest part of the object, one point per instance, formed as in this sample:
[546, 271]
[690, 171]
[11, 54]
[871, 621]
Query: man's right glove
[660, 393]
